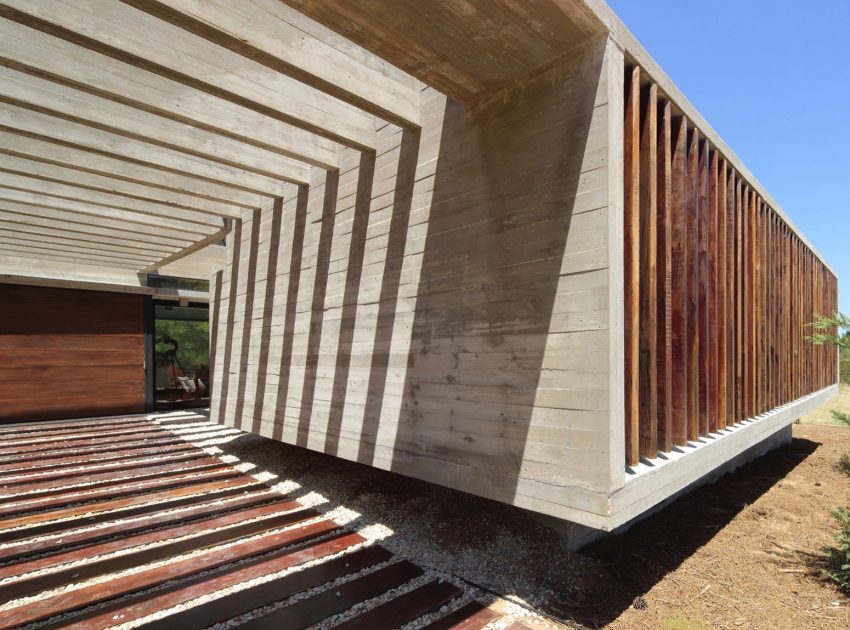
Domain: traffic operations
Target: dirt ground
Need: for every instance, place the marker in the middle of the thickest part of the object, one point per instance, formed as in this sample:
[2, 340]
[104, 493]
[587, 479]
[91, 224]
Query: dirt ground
[744, 552]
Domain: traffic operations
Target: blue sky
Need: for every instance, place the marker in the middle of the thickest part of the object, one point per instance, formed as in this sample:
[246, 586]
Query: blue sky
[773, 79]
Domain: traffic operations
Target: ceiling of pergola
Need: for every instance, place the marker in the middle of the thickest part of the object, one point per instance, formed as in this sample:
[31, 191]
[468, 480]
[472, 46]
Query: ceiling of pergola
[130, 131]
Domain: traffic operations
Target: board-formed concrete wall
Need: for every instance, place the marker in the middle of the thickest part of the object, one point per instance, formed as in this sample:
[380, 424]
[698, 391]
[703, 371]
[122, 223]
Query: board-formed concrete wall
[442, 308]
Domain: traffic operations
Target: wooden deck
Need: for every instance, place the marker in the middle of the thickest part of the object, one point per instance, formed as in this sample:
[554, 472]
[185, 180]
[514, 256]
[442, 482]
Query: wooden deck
[123, 521]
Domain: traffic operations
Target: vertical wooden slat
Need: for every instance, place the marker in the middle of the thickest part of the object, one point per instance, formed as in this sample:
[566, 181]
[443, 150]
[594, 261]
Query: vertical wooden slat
[760, 309]
[719, 292]
[722, 355]
[704, 290]
[680, 257]
[648, 362]
[752, 240]
[746, 299]
[730, 297]
[631, 242]
[713, 354]
[772, 377]
[692, 211]
[739, 297]
[665, 319]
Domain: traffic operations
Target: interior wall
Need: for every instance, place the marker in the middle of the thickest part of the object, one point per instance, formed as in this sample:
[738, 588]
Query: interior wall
[440, 308]
[68, 353]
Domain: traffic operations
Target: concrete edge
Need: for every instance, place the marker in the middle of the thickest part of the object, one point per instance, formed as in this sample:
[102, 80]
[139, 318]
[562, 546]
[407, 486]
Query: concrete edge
[652, 482]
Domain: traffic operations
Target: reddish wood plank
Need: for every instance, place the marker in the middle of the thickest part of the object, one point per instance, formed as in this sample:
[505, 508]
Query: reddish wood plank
[96, 450]
[752, 241]
[405, 608]
[46, 432]
[23, 428]
[648, 341]
[664, 326]
[219, 610]
[679, 282]
[713, 358]
[631, 244]
[70, 447]
[721, 301]
[119, 491]
[739, 308]
[312, 610]
[692, 210]
[73, 474]
[472, 616]
[74, 461]
[730, 302]
[217, 531]
[79, 534]
[704, 295]
[211, 559]
[97, 479]
[141, 504]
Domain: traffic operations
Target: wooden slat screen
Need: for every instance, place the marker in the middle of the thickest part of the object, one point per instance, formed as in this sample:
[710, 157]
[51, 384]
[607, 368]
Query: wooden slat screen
[718, 289]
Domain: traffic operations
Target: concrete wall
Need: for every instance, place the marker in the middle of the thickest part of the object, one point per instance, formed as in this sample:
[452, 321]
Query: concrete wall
[442, 308]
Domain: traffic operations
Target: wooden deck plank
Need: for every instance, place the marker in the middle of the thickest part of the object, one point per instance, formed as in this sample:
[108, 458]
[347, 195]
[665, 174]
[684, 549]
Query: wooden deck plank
[241, 602]
[61, 446]
[136, 504]
[196, 536]
[61, 425]
[47, 433]
[472, 616]
[118, 491]
[90, 480]
[405, 608]
[67, 462]
[78, 534]
[97, 449]
[71, 473]
[336, 600]
[210, 559]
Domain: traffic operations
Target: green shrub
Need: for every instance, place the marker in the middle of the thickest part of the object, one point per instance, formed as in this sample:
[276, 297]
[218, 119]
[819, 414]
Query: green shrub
[843, 465]
[840, 416]
[839, 555]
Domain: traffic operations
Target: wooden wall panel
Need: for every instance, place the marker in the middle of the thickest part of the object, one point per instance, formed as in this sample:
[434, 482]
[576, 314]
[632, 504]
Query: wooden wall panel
[726, 290]
[68, 353]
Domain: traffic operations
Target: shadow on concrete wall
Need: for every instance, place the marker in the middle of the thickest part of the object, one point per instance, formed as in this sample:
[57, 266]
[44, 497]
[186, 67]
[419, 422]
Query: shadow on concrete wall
[289, 316]
[506, 176]
[353, 274]
[500, 217]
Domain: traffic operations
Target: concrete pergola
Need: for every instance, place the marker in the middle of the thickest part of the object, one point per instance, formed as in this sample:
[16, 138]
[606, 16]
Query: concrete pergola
[135, 133]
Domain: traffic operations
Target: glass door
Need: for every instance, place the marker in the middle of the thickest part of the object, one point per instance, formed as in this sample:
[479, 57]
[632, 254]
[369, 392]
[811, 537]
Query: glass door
[181, 355]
